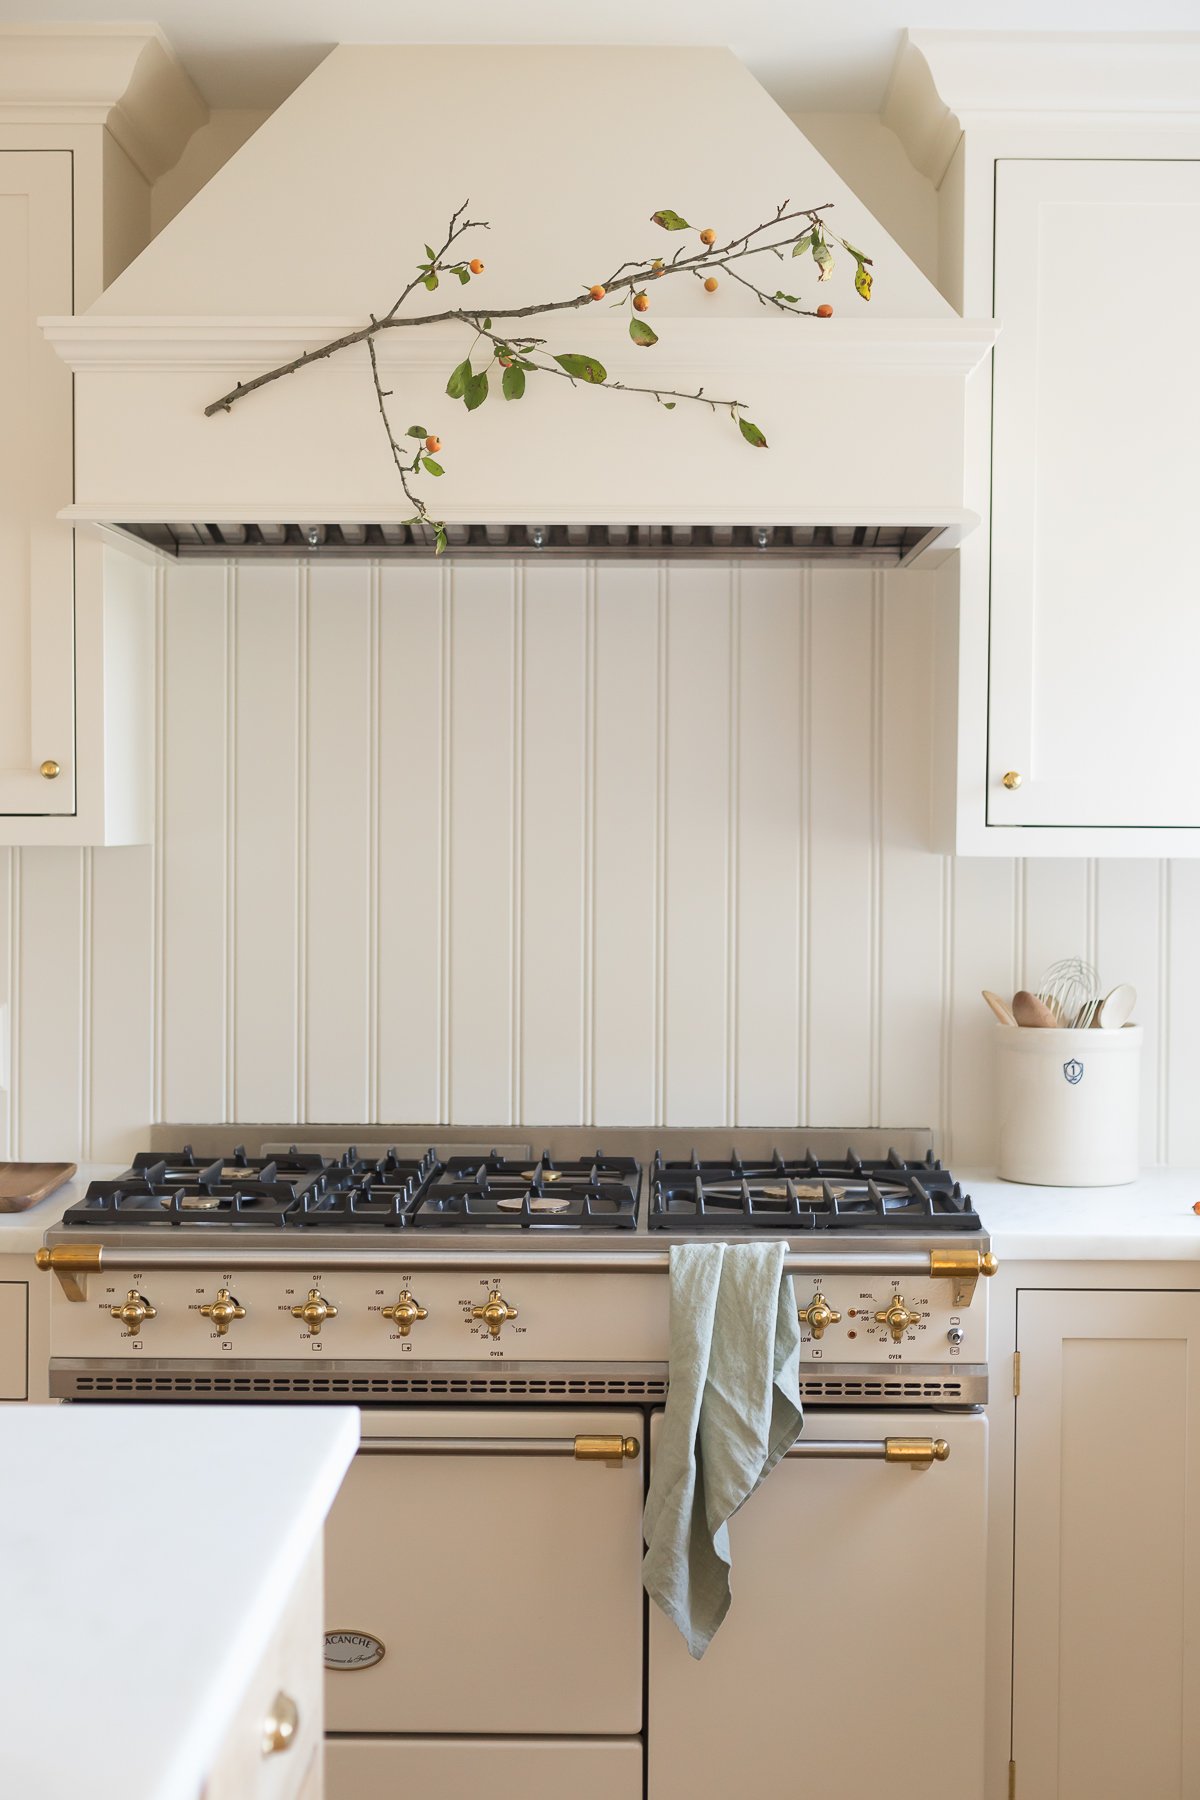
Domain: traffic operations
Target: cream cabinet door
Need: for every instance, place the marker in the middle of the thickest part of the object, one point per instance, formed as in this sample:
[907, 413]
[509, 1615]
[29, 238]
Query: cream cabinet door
[37, 635]
[1095, 587]
[1107, 1552]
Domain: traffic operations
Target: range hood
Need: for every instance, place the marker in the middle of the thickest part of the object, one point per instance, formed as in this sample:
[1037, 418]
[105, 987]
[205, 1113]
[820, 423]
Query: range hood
[317, 222]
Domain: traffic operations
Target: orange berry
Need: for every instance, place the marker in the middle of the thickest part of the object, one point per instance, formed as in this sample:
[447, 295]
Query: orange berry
[433, 445]
[825, 312]
[597, 292]
[711, 285]
[641, 302]
[475, 266]
[656, 267]
[708, 235]
[505, 362]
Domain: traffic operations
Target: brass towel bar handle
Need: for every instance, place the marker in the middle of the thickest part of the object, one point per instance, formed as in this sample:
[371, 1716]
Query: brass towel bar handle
[583, 1448]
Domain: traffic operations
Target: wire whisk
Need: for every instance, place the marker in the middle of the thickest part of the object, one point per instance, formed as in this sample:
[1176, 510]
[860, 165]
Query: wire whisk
[1071, 989]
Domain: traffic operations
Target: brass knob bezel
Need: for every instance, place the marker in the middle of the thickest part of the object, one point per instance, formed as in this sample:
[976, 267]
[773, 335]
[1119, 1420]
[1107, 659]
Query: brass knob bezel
[898, 1318]
[494, 1313]
[405, 1313]
[315, 1310]
[133, 1312]
[223, 1311]
[818, 1315]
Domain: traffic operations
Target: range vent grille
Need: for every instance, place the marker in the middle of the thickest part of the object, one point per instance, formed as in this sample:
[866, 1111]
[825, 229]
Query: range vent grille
[870, 546]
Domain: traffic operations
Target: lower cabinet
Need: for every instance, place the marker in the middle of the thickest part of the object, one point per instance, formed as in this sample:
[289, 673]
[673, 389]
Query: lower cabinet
[14, 1338]
[1106, 1577]
[505, 1767]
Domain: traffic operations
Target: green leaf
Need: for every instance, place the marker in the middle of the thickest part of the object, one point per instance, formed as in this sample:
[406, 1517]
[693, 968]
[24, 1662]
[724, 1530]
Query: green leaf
[641, 333]
[514, 382]
[430, 467]
[823, 258]
[670, 221]
[462, 276]
[802, 244]
[431, 282]
[440, 541]
[487, 324]
[862, 281]
[583, 368]
[752, 434]
[792, 299]
[431, 253]
[476, 391]
[668, 404]
[417, 431]
[858, 255]
[456, 387]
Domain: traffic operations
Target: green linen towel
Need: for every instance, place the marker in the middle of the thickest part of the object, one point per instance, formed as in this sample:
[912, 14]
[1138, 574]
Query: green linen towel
[733, 1409]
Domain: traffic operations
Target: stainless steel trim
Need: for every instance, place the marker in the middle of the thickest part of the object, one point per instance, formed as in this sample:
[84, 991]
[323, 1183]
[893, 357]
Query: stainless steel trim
[468, 1446]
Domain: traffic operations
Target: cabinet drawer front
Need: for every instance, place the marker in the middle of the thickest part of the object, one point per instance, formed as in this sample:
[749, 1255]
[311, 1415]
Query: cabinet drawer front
[14, 1340]
[357, 1768]
[505, 1590]
[1095, 599]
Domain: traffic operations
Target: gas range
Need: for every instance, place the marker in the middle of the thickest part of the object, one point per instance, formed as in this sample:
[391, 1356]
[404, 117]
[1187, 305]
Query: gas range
[513, 1264]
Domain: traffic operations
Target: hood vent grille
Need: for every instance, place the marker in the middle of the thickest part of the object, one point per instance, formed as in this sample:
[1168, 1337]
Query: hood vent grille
[869, 546]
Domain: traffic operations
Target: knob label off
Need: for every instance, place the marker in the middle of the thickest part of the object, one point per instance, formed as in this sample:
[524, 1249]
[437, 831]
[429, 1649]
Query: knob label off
[350, 1650]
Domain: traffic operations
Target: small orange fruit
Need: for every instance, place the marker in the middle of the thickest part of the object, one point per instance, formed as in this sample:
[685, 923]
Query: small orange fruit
[708, 235]
[641, 302]
[656, 267]
[433, 445]
[475, 266]
[825, 312]
[711, 285]
[505, 362]
[597, 292]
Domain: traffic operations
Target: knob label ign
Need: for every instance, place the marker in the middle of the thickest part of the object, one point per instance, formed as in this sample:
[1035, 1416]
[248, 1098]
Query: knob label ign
[349, 1650]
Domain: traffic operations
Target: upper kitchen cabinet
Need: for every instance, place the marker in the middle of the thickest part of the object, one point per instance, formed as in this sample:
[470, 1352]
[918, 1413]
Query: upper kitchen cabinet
[1069, 179]
[89, 117]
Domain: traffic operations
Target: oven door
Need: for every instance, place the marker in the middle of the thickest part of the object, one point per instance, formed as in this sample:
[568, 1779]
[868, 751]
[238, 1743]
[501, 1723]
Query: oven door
[482, 1578]
[853, 1648]
[533, 1768]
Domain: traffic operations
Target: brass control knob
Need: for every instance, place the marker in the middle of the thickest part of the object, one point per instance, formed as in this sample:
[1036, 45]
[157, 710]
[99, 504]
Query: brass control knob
[1012, 780]
[818, 1314]
[897, 1318]
[223, 1311]
[405, 1313]
[494, 1313]
[315, 1311]
[133, 1311]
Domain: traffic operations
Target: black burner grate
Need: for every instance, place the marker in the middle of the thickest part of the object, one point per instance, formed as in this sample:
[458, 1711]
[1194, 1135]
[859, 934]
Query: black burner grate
[598, 1193]
[806, 1193]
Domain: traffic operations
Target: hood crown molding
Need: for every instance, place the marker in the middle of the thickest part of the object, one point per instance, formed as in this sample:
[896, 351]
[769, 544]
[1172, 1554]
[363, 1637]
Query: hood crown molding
[124, 77]
[944, 80]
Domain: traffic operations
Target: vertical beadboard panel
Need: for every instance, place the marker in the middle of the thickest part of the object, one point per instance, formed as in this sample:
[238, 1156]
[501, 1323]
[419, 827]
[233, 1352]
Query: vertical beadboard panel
[194, 966]
[1129, 924]
[338, 844]
[119, 1099]
[767, 802]
[1054, 896]
[981, 953]
[264, 837]
[556, 835]
[911, 997]
[484, 785]
[1182, 1074]
[625, 863]
[842, 863]
[49, 1034]
[412, 821]
[9, 933]
[696, 1031]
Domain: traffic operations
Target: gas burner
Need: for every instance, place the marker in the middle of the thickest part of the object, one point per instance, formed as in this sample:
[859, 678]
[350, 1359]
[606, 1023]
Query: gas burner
[136, 1200]
[367, 1193]
[174, 1168]
[598, 1193]
[807, 1193]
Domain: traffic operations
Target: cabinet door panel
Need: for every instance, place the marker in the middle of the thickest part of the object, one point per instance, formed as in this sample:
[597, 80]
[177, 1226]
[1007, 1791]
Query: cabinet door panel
[1095, 595]
[37, 642]
[1107, 1543]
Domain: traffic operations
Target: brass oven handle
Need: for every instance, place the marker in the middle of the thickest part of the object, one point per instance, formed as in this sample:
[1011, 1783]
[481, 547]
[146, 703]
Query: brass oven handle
[583, 1449]
[914, 1453]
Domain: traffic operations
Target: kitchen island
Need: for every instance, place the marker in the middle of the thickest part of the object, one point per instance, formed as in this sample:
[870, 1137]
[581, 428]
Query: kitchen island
[163, 1598]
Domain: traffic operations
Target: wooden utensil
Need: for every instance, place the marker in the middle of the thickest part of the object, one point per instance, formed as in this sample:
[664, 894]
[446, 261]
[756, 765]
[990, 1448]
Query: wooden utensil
[1029, 1010]
[24, 1184]
[1116, 1009]
[1001, 1008]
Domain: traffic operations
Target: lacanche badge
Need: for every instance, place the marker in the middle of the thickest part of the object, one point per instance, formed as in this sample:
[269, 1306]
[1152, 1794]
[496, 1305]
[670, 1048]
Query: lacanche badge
[352, 1650]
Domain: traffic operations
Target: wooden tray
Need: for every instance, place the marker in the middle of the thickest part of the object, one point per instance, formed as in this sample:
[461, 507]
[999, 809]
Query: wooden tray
[24, 1184]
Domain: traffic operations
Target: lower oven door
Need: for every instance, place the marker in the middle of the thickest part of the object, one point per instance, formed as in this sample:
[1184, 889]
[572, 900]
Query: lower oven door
[481, 1578]
[546, 1769]
[852, 1654]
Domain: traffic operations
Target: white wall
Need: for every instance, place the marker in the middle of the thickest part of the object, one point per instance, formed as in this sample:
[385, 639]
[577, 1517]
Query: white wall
[614, 844]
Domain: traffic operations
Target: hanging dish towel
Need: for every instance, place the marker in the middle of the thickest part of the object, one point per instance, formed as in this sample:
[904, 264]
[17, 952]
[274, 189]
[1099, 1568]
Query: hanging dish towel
[733, 1409]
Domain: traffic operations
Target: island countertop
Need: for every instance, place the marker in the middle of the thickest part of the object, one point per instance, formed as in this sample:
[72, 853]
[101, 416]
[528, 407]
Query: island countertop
[116, 1545]
[1147, 1220]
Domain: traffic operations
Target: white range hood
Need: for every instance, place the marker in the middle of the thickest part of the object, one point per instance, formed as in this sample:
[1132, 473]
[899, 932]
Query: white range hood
[318, 221]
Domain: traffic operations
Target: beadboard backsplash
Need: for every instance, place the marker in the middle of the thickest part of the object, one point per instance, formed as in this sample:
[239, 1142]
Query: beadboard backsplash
[624, 844]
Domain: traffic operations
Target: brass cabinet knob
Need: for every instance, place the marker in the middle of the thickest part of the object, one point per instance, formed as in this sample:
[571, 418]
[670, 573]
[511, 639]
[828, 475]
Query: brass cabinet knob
[50, 769]
[405, 1313]
[818, 1314]
[315, 1311]
[494, 1313]
[897, 1318]
[223, 1311]
[280, 1725]
[1012, 779]
[133, 1312]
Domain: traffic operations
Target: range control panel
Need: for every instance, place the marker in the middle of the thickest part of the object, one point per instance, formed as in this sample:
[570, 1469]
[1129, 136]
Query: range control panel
[889, 1319]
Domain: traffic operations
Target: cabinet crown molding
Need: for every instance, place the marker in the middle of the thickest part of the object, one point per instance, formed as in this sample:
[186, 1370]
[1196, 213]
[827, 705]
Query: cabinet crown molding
[125, 77]
[944, 80]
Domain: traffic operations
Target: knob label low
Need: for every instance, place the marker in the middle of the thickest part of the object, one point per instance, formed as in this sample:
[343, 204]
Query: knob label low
[350, 1650]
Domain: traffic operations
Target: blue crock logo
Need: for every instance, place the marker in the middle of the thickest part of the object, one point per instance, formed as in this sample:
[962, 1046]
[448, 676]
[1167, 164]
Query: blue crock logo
[1073, 1071]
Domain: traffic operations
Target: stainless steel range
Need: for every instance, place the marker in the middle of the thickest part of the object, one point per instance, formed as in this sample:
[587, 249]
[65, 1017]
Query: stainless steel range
[497, 1301]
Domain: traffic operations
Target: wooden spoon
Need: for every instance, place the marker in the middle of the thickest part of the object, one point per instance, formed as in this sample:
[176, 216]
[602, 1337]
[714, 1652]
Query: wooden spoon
[1116, 1009]
[1001, 1008]
[1029, 1010]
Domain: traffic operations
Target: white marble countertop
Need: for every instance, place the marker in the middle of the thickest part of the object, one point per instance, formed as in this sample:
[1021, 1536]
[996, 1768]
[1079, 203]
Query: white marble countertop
[134, 1614]
[21, 1232]
[1148, 1220]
